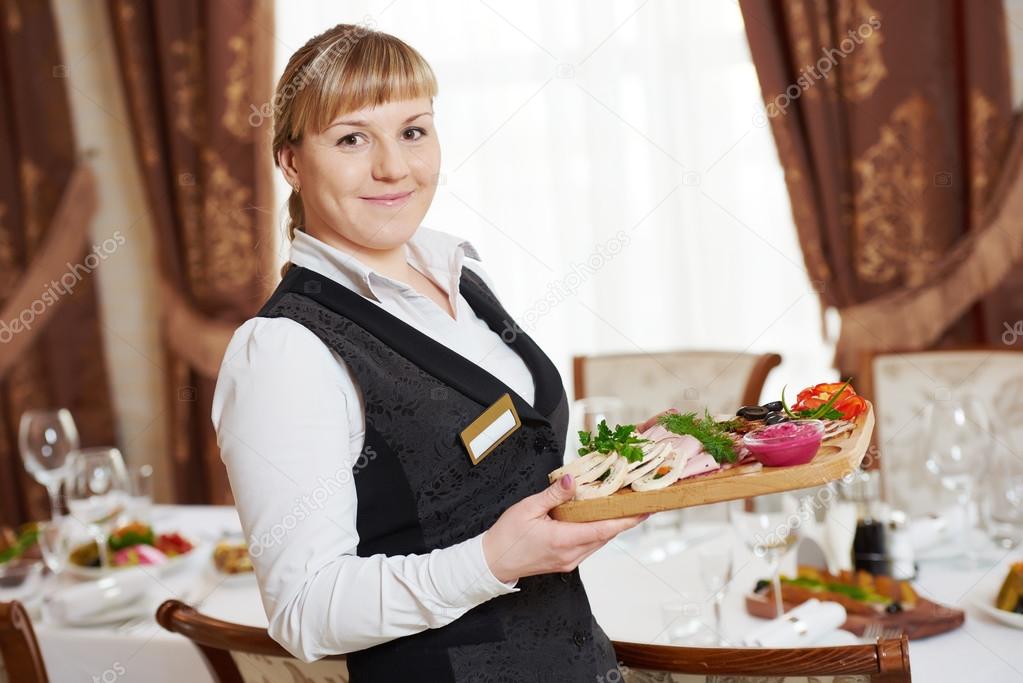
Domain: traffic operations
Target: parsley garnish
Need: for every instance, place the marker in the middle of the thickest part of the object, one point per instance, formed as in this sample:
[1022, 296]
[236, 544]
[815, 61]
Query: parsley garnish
[621, 441]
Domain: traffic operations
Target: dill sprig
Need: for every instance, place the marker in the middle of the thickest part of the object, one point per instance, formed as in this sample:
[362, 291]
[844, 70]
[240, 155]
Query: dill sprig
[712, 434]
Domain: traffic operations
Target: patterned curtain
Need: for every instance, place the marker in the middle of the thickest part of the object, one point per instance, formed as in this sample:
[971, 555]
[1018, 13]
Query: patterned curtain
[892, 120]
[196, 76]
[51, 349]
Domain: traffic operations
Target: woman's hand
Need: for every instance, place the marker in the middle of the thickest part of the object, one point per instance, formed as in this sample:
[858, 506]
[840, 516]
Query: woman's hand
[525, 540]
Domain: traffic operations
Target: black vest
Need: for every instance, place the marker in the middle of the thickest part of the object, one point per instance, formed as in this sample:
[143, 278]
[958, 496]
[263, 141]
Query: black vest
[418, 490]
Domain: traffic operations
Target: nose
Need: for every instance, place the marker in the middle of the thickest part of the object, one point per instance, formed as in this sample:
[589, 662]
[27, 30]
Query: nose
[390, 163]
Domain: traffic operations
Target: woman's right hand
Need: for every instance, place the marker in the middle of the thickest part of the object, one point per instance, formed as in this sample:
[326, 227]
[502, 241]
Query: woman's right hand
[525, 540]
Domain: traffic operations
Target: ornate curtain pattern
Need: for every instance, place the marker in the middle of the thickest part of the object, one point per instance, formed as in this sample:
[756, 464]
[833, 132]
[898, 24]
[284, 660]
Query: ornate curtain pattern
[891, 155]
[51, 352]
[192, 70]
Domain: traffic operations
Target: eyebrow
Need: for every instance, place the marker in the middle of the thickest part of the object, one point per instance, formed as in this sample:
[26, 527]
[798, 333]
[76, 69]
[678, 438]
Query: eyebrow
[366, 123]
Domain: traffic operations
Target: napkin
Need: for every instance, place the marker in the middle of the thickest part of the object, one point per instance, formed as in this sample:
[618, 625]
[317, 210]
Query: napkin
[81, 601]
[800, 626]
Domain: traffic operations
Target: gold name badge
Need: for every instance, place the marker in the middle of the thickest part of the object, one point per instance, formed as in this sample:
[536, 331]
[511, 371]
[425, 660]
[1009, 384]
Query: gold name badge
[487, 431]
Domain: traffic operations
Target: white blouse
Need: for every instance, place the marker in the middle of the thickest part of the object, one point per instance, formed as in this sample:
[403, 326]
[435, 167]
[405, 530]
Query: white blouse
[290, 423]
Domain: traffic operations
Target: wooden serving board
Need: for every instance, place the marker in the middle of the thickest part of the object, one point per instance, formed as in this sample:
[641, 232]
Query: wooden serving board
[836, 458]
[924, 619]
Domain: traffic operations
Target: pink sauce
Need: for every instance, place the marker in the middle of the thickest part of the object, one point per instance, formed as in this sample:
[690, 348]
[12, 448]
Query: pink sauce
[785, 443]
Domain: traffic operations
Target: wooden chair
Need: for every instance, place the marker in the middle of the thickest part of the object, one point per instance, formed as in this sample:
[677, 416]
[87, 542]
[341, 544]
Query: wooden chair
[886, 661]
[245, 654]
[688, 380]
[21, 660]
[901, 384]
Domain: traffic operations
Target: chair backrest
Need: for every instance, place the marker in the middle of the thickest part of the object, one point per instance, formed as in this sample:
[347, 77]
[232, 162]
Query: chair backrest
[886, 661]
[21, 661]
[901, 384]
[720, 381]
[245, 654]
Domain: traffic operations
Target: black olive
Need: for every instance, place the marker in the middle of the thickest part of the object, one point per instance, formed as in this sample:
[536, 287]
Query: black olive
[893, 608]
[775, 418]
[762, 585]
[752, 412]
[773, 406]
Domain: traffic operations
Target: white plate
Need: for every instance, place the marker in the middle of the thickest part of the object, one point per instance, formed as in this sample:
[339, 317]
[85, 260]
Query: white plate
[985, 602]
[172, 564]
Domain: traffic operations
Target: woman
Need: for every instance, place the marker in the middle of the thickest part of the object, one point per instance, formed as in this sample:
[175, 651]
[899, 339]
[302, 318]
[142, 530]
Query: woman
[339, 410]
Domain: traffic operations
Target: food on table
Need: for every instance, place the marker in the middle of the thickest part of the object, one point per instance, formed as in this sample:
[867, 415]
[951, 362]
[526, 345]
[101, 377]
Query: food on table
[232, 558]
[15, 544]
[860, 592]
[131, 535]
[138, 554]
[1010, 596]
[172, 544]
[786, 443]
[131, 545]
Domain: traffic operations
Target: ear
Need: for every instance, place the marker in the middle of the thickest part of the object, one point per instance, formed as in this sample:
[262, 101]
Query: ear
[287, 160]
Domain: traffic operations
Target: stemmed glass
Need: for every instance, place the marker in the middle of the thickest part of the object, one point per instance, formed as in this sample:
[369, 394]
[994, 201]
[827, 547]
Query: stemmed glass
[716, 574]
[98, 492]
[45, 439]
[770, 528]
[955, 446]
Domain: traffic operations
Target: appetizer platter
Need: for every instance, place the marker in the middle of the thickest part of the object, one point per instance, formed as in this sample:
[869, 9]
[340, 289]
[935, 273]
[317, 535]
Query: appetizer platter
[867, 599]
[677, 460]
[129, 546]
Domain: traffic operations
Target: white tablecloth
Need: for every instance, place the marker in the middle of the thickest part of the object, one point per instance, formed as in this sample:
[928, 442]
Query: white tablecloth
[626, 589]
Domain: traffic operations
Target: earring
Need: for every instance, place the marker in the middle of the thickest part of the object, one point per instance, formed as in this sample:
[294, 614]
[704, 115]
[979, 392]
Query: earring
[296, 189]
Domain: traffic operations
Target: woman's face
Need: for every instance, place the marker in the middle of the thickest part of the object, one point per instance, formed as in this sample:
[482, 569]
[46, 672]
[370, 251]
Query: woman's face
[367, 180]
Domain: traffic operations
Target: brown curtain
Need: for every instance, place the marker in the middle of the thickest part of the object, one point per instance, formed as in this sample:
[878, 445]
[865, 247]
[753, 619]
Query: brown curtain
[892, 120]
[51, 349]
[197, 76]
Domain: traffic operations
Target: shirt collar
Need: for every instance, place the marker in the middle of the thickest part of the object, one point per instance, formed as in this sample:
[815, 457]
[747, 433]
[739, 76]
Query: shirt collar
[434, 253]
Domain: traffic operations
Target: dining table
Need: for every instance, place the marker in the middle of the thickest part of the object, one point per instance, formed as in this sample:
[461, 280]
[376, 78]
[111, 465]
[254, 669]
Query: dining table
[629, 582]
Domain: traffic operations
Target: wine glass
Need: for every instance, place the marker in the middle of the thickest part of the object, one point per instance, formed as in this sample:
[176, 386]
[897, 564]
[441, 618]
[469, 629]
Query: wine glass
[45, 438]
[770, 528]
[954, 446]
[98, 492]
[716, 573]
[55, 542]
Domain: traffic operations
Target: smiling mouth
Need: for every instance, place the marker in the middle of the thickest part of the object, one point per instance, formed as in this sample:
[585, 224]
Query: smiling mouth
[389, 199]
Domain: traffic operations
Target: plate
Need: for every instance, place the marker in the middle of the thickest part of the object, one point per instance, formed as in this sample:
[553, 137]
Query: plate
[113, 615]
[985, 602]
[172, 564]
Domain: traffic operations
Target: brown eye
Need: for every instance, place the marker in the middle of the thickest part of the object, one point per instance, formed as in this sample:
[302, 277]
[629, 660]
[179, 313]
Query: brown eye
[348, 140]
[413, 130]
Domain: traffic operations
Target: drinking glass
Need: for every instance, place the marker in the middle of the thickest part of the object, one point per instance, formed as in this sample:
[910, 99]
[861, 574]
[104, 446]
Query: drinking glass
[716, 573]
[98, 492]
[45, 439]
[770, 528]
[955, 446]
[55, 542]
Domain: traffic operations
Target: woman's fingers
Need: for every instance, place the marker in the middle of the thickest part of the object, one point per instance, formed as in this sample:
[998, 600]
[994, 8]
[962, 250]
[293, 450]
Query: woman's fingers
[602, 531]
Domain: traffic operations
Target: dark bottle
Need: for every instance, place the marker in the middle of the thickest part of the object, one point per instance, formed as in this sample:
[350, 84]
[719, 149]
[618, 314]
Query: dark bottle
[870, 542]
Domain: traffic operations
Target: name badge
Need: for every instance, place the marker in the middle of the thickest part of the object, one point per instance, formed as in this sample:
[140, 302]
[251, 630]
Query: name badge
[487, 431]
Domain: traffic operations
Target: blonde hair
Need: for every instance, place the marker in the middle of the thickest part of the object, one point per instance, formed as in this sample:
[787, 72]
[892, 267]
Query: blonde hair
[343, 69]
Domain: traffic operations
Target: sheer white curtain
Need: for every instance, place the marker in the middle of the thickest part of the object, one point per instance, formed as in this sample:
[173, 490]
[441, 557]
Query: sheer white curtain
[610, 162]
